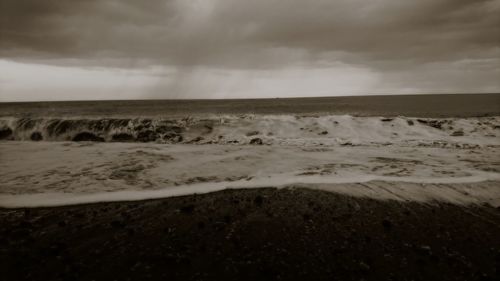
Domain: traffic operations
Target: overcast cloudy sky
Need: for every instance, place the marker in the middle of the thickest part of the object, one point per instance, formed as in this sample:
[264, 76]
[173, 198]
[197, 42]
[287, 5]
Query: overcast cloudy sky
[130, 49]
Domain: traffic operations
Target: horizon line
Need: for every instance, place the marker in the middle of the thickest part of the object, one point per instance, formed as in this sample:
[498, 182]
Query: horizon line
[267, 98]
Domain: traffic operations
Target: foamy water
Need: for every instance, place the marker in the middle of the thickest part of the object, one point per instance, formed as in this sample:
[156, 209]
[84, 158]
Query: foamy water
[61, 173]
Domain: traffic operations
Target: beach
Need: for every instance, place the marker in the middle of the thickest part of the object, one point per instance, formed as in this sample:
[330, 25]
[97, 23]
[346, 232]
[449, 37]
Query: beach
[278, 189]
[250, 140]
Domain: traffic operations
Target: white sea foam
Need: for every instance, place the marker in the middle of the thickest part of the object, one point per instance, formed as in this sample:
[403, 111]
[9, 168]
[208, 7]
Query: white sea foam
[271, 129]
[64, 173]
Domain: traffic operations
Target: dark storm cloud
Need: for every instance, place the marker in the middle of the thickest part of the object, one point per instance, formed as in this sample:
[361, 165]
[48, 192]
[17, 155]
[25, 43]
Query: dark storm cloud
[80, 28]
[381, 34]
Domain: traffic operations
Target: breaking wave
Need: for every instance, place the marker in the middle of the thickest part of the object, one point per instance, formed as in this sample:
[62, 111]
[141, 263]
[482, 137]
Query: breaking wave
[259, 129]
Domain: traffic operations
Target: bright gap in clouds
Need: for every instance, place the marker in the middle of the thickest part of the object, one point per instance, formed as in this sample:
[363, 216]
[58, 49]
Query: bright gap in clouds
[46, 82]
[27, 82]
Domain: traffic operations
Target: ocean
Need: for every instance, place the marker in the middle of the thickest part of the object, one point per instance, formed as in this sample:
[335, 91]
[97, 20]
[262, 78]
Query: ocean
[440, 105]
[57, 153]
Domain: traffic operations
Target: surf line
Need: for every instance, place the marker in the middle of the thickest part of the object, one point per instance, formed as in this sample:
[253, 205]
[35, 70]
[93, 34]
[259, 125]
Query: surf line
[53, 199]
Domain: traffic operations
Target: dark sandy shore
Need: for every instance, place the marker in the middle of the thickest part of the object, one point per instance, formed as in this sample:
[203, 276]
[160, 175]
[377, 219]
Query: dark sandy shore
[260, 234]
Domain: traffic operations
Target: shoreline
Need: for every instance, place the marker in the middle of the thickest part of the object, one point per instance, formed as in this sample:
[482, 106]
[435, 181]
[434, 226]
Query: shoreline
[58, 173]
[484, 192]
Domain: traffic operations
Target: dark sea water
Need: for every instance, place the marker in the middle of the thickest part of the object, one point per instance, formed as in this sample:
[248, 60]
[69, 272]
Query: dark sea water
[449, 105]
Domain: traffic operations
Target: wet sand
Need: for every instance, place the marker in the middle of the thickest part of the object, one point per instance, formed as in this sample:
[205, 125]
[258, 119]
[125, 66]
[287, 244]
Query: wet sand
[254, 234]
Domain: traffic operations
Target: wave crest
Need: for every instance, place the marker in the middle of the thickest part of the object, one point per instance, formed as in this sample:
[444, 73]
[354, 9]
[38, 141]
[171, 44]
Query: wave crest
[259, 129]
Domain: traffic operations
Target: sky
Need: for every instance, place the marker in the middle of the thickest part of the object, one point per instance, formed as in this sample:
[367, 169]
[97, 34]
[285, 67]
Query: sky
[170, 49]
